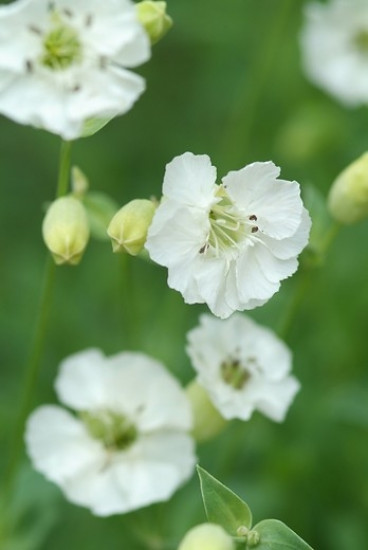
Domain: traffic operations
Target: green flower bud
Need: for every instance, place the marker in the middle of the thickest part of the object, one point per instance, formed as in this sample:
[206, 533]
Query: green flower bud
[128, 228]
[65, 230]
[207, 421]
[154, 19]
[207, 536]
[80, 183]
[348, 197]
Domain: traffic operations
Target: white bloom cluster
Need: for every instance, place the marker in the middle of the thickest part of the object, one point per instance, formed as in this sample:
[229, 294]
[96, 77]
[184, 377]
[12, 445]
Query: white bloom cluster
[243, 367]
[334, 44]
[227, 245]
[64, 62]
[128, 445]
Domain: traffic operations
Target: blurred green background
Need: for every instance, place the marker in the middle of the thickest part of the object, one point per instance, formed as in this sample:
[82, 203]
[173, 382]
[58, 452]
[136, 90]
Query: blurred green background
[226, 81]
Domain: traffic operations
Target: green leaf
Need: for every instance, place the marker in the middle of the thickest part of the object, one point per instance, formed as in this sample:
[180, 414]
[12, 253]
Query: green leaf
[100, 209]
[275, 535]
[222, 506]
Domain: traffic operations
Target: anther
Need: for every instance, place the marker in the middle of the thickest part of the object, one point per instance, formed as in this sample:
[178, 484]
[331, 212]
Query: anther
[89, 20]
[35, 29]
[203, 249]
[68, 12]
[76, 88]
[254, 229]
[253, 218]
[103, 62]
[29, 66]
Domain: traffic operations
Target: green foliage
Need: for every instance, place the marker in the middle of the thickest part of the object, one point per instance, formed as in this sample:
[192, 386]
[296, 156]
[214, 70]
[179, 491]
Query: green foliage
[225, 508]
[275, 535]
[222, 505]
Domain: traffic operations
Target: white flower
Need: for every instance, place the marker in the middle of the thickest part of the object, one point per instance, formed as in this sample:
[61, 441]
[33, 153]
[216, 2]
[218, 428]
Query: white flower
[243, 367]
[227, 245]
[63, 62]
[128, 445]
[335, 48]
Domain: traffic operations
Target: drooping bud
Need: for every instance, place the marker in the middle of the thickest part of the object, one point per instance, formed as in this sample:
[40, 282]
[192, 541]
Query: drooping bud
[207, 536]
[207, 421]
[65, 230]
[154, 19]
[348, 196]
[128, 228]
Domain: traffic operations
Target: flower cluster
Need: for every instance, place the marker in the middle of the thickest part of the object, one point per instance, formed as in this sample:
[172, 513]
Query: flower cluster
[227, 245]
[127, 446]
[65, 62]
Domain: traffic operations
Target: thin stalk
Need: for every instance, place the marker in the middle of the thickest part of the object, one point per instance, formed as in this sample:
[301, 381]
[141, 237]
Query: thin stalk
[32, 368]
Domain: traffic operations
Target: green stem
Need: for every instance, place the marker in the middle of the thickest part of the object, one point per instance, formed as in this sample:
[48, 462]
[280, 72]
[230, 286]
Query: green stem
[32, 367]
[64, 168]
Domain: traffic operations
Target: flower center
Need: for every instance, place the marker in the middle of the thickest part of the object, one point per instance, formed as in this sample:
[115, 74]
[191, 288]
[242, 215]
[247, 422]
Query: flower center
[114, 430]
[228, 227]
[61, 45]
[234, 374]
[361, 41]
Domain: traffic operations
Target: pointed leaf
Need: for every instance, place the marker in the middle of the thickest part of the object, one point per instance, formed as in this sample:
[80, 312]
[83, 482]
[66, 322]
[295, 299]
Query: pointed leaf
[275, 535]
[222, 506]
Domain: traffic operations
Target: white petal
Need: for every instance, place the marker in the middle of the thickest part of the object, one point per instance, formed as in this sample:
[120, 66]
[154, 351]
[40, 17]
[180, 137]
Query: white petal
[211, 278]
[37, 101]
[277, 399]
[176, 234]
[273, 268]
[251, 280]
[190, 180]
[102, 93]
[276, 203]
[285, 249]
[150, 471]
[246, 186]
[147, 392]
[59, 445]
[81, 382]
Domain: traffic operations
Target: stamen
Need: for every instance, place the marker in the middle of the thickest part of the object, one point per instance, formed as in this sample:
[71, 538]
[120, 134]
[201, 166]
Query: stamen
[103, 62]
[29, 66]
[68, 12]
[35, 30]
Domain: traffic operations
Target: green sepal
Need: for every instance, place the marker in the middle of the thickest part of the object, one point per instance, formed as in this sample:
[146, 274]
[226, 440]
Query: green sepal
[275, 535]
[222, 506]
[93, 125]
[100, 209]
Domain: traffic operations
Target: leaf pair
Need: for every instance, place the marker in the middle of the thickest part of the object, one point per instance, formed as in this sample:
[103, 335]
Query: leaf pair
[225, 508]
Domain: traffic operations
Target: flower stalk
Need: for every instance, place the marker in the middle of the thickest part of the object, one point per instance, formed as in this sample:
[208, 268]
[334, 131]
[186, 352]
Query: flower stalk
[32, 368]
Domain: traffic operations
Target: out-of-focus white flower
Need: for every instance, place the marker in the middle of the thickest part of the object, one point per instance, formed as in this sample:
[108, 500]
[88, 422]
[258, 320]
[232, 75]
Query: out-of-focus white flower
[334, 43]
[64, 62]
[128, 445]
[227, 245]
[243, 367]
